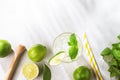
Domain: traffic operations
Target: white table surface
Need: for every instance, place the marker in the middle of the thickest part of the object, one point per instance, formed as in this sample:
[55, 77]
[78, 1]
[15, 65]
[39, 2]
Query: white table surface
[40, 21]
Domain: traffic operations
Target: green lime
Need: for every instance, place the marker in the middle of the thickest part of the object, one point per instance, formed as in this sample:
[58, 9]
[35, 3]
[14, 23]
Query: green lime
[37, 52]
[82, 73]
[5, 48]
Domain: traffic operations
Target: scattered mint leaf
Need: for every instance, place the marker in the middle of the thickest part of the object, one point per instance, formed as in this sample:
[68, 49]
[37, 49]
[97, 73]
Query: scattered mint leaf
[112, 57]
[46, 73]
[113, 62]
[108, 58]
[115, 70]
[112, 72]
[106, 51]
[118, 37]
[116, 54]
[116, 45]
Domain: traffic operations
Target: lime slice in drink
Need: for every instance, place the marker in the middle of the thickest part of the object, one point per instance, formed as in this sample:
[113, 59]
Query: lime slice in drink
[30, 71]
[56, 59]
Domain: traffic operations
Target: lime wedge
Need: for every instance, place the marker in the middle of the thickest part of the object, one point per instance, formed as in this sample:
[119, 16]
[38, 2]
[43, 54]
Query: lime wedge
[56, 59]
[30, 71]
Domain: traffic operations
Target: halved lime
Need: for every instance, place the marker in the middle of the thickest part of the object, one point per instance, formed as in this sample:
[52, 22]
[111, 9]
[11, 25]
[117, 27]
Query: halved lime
[56, 59]
[30, 71]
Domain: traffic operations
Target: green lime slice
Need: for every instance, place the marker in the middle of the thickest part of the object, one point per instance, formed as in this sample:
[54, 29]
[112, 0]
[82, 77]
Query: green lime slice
[56, 59]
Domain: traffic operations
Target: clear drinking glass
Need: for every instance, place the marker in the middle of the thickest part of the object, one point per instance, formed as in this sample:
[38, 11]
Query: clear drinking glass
[61, 44]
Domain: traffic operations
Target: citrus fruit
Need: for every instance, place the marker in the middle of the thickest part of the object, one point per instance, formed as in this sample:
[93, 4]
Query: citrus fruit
[5, 48]
[30, 71]
[82, 73]
[37, 52]
[56, 59]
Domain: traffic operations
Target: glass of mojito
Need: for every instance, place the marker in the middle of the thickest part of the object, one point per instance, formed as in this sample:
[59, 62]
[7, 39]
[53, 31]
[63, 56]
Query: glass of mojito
[67, 47]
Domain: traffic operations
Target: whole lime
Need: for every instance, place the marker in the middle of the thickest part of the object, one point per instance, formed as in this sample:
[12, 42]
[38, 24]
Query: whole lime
[37, 52]
[5, 48]
[82, 73]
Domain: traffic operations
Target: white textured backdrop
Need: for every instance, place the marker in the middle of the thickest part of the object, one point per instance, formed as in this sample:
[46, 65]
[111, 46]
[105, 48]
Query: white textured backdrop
[40, 21]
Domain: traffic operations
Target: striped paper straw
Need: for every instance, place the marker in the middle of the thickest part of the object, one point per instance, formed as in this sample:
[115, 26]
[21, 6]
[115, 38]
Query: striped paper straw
[92, 60]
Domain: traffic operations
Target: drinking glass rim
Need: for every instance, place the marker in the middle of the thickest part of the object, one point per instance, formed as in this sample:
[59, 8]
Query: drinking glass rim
[80, 41]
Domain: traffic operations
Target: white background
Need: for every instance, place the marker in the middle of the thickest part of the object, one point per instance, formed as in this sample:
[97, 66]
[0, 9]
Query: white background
[39, 21]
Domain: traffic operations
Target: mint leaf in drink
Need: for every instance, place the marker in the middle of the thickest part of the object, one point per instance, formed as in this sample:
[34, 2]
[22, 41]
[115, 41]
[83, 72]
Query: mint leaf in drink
[73, 51]
[73, 43]
[73, 40]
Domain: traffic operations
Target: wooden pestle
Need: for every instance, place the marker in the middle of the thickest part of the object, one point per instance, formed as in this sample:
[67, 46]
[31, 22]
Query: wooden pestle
[18, 53]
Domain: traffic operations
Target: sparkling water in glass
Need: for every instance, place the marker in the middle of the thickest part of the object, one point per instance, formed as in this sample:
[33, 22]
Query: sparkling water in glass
[61, 44]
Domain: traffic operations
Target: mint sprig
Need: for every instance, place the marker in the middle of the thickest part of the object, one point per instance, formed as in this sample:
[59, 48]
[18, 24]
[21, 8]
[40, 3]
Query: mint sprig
[73, 43]
[112, 57]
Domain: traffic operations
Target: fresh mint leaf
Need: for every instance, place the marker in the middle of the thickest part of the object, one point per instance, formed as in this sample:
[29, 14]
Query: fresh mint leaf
[112, 57]
[46, 73]
[73, 43]
[118, 37]
[116, 45]
[115, 70]
[116, 54]
[69, 43]
[106, 51]
[73, 40]
[108, 58]
[73, 51]
[119, 78]
[112, 72]
[114, 62]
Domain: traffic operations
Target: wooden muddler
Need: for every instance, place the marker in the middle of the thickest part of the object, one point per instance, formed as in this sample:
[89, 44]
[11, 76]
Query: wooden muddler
[19, 51]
